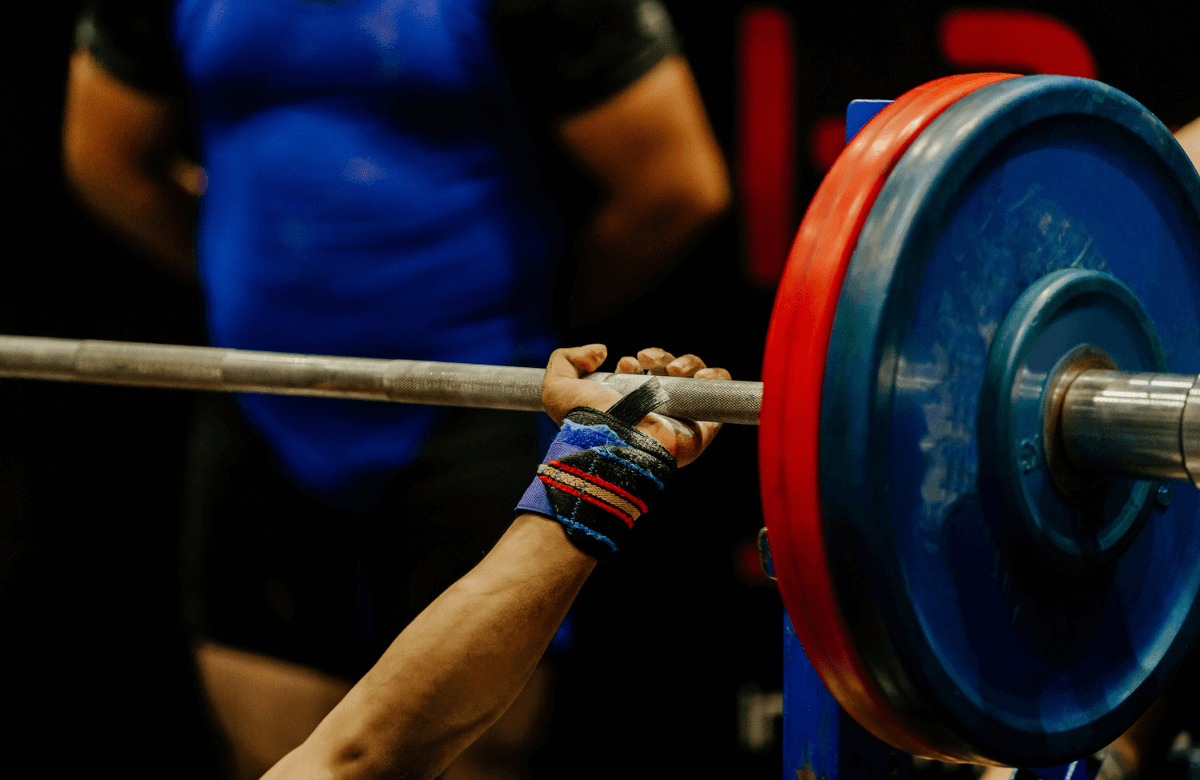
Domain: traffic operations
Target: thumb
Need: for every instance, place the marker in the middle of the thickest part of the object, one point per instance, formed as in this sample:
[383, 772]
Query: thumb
[563, 390]
[573, 362]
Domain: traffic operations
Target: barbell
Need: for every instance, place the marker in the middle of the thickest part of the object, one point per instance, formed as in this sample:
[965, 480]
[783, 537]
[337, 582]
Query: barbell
[1157, 438]
[975, 404]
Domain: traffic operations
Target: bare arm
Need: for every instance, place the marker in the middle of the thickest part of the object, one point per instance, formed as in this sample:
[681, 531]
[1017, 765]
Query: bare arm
[652, 151]
[1188, 137]
[457, 667]
[119, 153]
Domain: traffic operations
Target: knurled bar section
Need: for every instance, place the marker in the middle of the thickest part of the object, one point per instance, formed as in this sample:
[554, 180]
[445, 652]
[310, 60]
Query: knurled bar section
[724, 401]
[402, 381]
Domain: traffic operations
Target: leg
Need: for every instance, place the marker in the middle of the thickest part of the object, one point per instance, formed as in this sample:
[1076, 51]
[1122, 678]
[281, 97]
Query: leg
[265, 707]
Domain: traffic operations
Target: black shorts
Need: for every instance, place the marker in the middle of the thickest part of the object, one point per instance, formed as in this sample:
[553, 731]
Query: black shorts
[268, 568]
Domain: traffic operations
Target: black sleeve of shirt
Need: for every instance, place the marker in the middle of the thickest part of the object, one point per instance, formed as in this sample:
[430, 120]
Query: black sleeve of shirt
[131, 39]
[565, 56]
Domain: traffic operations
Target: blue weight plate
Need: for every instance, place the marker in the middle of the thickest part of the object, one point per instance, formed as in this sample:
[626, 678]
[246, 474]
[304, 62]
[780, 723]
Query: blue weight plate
[1018, 659]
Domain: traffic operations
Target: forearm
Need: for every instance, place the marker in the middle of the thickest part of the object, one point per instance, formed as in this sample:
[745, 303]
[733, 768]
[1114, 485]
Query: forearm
[151, 210]
[119, 155]
[662, 178]
[632, 242]
[457, 667]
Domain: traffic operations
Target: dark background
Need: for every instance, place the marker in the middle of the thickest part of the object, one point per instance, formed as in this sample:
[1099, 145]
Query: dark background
[94, 663]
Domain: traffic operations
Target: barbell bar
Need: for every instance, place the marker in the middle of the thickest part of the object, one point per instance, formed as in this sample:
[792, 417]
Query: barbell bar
[400, 381]
[1112, 421]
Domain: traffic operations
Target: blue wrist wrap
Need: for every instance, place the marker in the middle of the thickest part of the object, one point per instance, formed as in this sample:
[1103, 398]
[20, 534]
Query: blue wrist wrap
[600, 472]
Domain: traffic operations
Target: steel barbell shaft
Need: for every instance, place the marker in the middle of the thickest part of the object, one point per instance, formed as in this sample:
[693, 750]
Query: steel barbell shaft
[1143, 424]
[400, 381]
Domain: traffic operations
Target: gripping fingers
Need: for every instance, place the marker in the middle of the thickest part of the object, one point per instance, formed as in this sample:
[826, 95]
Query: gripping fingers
[684, 439]
[628, 365]
[688, 365]
[660, 363]
[705, 431]
[655, 361]
[712, 373]
[692, 437]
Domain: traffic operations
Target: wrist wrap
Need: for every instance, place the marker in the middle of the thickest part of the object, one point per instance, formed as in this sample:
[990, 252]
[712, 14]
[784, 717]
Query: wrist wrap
[600, 472]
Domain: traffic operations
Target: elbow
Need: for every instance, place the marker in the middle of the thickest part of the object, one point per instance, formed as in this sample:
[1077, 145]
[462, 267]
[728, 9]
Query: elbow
[114, 187]
[657, 220]
[699, 192]
[405, 743]
[360, 761]
[711, 195]
[695, 202]
[349, 761]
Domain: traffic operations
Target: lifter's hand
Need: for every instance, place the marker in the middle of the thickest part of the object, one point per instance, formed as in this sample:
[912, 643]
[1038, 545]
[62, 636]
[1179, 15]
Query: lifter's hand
[563, 390]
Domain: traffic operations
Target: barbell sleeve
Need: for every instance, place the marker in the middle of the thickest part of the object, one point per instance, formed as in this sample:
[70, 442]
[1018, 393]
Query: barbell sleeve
[400, 381]
[1143, 424]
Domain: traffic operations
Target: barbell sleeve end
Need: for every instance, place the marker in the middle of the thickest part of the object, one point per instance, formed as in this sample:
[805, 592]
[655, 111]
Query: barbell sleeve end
[1141, 424]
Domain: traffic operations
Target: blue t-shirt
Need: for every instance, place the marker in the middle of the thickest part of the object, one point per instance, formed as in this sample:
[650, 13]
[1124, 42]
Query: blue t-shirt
[372, 191]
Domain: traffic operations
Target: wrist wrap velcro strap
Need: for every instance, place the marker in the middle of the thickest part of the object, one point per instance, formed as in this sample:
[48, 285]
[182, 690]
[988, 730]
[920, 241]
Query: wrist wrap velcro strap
[601, 473]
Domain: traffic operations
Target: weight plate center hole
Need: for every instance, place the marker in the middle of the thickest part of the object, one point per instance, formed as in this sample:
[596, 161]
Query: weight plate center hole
[1078, 484]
